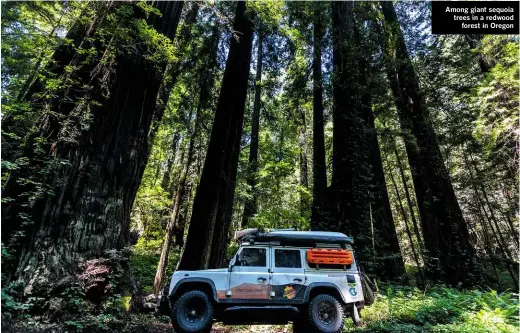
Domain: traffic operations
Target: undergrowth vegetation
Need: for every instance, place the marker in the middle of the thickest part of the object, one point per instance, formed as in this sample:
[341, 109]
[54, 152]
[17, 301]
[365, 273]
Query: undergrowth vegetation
[439, 309]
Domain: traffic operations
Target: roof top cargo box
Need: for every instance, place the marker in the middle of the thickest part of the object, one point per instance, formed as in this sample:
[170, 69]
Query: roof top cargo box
[291, 237]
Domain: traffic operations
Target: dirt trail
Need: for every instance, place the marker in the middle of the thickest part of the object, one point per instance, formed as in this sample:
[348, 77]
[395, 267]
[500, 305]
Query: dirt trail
[217, 328]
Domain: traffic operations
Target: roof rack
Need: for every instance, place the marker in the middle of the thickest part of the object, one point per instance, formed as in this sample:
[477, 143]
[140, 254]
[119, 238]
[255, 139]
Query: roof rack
[291, 237]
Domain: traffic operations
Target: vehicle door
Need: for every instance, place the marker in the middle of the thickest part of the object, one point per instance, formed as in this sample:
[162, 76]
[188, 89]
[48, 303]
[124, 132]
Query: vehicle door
[249, 276]
[287, 275]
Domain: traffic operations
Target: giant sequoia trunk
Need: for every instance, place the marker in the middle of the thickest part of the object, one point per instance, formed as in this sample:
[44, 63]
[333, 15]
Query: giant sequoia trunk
[389, 261]
[227, 195]
[349, 197]
[358, 198]
[387, 245]
[219, 159]
[449, 253]
[92, 188]
[319, 171]
[304, 179]
[250, 206]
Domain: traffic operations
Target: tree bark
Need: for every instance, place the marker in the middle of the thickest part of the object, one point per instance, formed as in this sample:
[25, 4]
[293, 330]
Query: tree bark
[450, 255]
[409, 201]
[166, 179]
[250, 206]
[407, 228]
[484, 218]
[349, 194]
[304, 181]
[227, 194]
[358, 198]
[88, 211]
[387, 246]
[319, 168]
[230, 109]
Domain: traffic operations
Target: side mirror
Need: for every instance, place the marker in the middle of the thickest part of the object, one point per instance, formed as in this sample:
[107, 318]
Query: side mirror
[232, 263]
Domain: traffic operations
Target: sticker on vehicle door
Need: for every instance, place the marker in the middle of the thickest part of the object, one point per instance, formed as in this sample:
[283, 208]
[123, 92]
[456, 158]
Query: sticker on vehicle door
[289, 292]
[352, 291]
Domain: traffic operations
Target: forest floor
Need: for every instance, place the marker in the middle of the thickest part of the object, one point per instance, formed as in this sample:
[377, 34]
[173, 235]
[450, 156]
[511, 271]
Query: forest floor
[397, 309]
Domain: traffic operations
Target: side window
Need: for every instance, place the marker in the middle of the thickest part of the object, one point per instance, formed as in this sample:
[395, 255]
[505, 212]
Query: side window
[287, 258]
[252, 257]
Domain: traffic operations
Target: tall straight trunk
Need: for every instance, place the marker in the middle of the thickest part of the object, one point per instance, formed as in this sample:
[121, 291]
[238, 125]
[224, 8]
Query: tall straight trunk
[319, 169]
[407, 228]
[390, 263]
[387, 247]
[166, 179]
[450, 255]
[227, 195]
[507, 258]
[250, 206]
[304, 180]
[484, 222]
[409, 201]
[349, 194]
[88, 211]
[230, 109]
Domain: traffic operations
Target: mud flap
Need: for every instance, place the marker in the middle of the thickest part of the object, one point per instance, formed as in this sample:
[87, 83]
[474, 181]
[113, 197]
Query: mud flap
[163, 303]
[367, 286]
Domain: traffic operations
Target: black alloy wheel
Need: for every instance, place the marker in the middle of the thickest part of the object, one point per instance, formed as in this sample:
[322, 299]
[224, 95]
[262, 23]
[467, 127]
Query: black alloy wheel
[192, 313]
[326, 314]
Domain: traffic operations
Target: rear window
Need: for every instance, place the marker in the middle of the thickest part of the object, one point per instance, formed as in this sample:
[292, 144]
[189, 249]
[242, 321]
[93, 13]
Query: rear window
[287, 258]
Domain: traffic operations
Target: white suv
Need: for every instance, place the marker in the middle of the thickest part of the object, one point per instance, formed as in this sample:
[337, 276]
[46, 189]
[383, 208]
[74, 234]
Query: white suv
[273, 278]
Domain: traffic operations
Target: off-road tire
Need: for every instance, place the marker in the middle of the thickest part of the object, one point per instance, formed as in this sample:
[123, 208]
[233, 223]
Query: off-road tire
[192, 313]
[326, 314]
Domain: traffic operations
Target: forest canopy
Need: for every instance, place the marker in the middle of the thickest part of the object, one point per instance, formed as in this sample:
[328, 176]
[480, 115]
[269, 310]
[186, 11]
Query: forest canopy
[138, 136]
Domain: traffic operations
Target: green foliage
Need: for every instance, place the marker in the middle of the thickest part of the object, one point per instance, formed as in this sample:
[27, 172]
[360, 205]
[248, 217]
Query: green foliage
[12, 305]
[439, 309]
[144, 259]
[497, 97]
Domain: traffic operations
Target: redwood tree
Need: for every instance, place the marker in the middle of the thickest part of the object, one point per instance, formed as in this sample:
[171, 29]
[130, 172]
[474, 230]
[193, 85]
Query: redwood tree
[91, 149]
[250, 206]
[449, 254]
[319, 172]
[218, 165]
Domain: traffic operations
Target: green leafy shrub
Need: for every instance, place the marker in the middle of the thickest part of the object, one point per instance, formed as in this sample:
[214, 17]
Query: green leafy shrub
[440, 309]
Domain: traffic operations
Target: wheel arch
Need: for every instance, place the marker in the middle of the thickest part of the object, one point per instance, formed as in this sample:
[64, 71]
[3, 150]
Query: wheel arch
[188, 284]
[328, 288]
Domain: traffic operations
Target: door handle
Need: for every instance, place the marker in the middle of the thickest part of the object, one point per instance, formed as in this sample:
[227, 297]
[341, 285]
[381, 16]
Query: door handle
[262, 279]
[297, 280]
